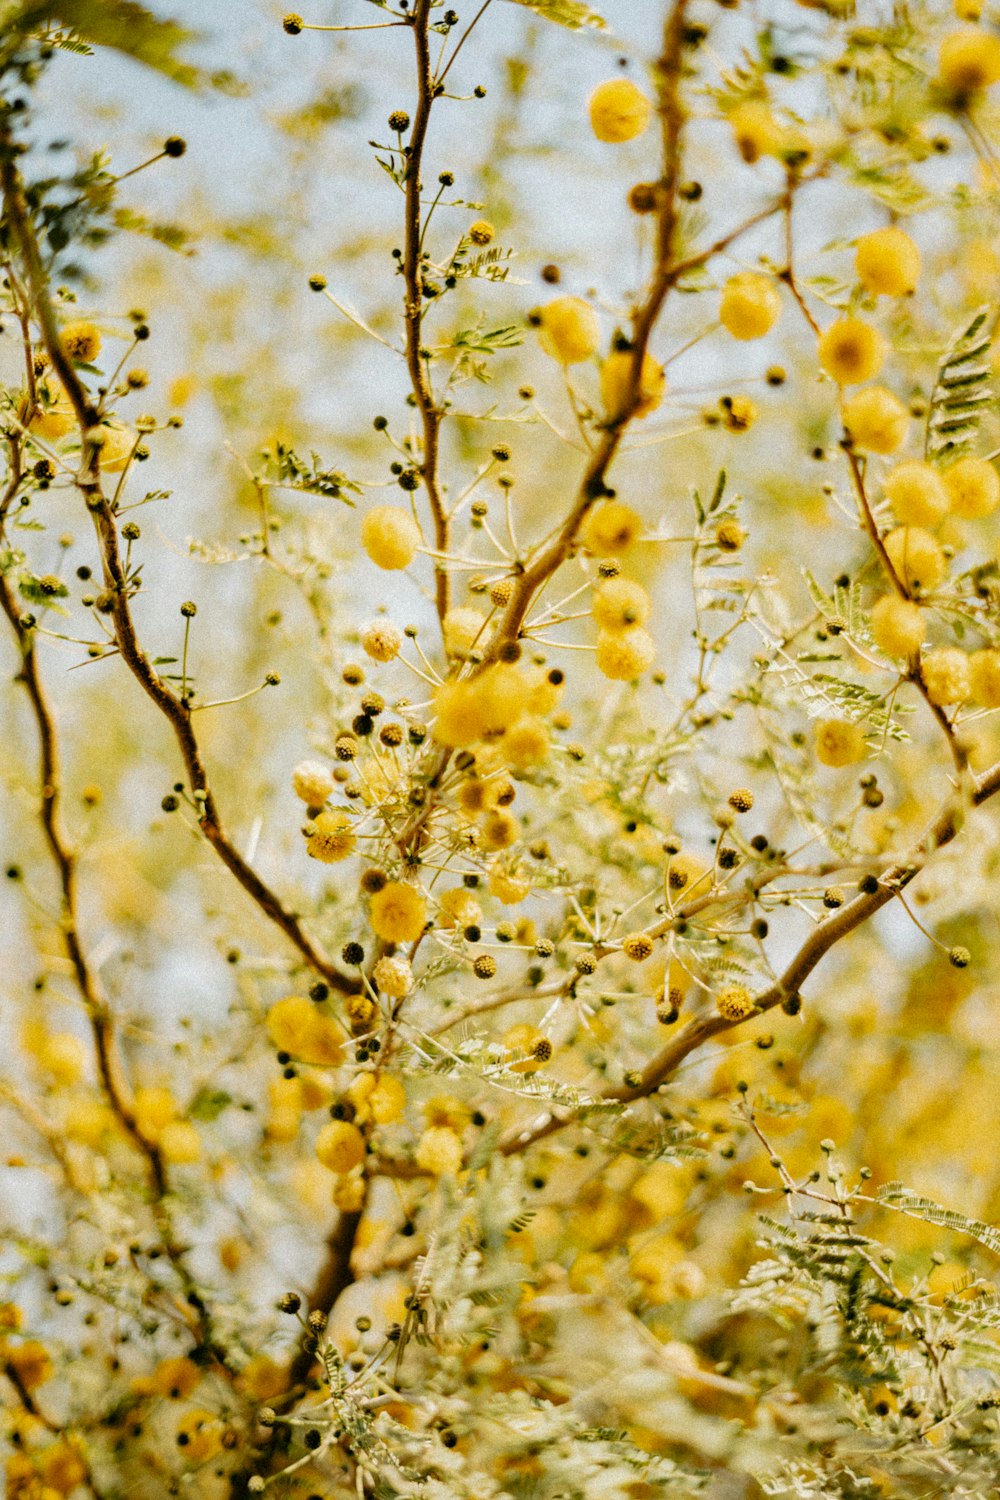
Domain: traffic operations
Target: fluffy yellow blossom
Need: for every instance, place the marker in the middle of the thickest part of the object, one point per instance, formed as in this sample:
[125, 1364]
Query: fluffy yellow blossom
[296, 1025]
[526, 743]
[750, 305]
[611, 528]
[80, 341]
[63, 1055]
[735, 1002]
[393, 976]
[390, 536]
[917, 493]
[463, 629]
[619, 111]
[30, 1361]
[439, 1151]
[459, 908]
[755, 130]
[624, 655]
[509, 885]
[876, 421]
[329, 837]
[381, 640]
[973, 487]
[887, 262]
[616, 375]
[56, 417]
[984, 677]
[946, 675]
[531, 1041]
[387, 1100]
[619, 604]
[916, 558]
[199, 1435]
[340, 1146]
[969, 62]
[155, 1109]
[61, 1467]
[180, 1143]
[117, 447]
[398, 912]
[500, 829]
[481, 232]
[739, 413]
[898, 626]
[839, 742]
[312, 782]
[175, 1378]
[851, 351]
[568, 330]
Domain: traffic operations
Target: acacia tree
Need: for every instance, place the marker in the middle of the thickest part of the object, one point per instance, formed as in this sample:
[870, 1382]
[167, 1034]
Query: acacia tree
[671, 661]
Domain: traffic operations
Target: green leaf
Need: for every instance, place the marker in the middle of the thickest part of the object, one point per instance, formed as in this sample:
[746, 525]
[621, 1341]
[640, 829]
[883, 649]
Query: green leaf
[208, 1104]
[571, 13]
[124, 25]
[962, 390]
[905, 1201]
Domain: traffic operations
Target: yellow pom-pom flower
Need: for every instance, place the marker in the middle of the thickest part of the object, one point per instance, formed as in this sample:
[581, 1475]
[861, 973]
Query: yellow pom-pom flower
[312, 782]
[568, 330]
[381, 640]
[619, 111]
[439, 1152]
[390, 536]
[917, 493]
[616, 374]
[393, 976]
[117, 447]
[340, 1146]
[897, 626]
[624, 655]
[329, 837]
[969, 62]
[755, 130]
[887, 262]
[509, 885]
[611, 529]
[984, 677]
[973, 487]
[750, 305]
[876, 421]
[851, 351]
[80, 341]
[180, 1143]
[526, 743]
[398, 912]
[916, 558]
[463, 629]
[839, 743]
[946, 675]
[735, 1002]
[619, 604]
[56, 417]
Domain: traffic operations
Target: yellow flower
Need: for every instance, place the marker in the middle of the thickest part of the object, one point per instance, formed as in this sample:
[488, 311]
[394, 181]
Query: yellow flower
[500, 829]
[616, 373]
[393, 976]
[916, 558]
[459, 908]
[387, 1100]
[175, 1378]
[30, 1361]
[897, 626]
[481, 232]
[180, 1143]
[624, 655]
[381, 640]
[851, 350]
[398, 913]
[876, 420]
[739, 413]
[568, 330]
[526, 743]
[969, 62]
[887, 262]
[619, 111]
[329, 837]
[839, 743]
[63, 1055]
[756, 131]
[735, 1002]
[946, 675]
[57, 416]
[155, 1109]
[463, 629]
[340, 1146]
[509, 885]
[296, 1026]
[984, 677]
[973, 487]
[312, 782]
[117, 447]
[611, 528]
[750, 305]
[390, 536]
[917, 493]
[619, 604]
[531, 1041]
[80, 341]
[439, 1151]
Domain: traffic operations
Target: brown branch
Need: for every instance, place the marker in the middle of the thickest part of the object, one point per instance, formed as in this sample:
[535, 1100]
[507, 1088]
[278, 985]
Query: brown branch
[430, 413]
[176, 710]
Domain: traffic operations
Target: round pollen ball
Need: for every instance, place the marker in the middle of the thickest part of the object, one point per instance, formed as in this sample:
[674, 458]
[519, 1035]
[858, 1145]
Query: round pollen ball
[568, 330]
[984, 677]
[619, 111]
[851, 351]
[611, 528]
[750, 305]
[969, 62]
[624, 655]
[80, 341]
[839, 742]
[918, 494]
[439, 1151]
[735, 1002]
[973, 487]
[946, 676]
[755, 130]
[619, 604]
[897, 626]
[390, 536]
[917, 560]
[330, 838]
[887, 262]
[616, 374]
[398, 912]
[340, 1146]
[876, 420]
